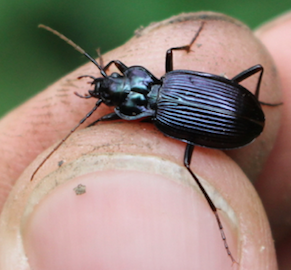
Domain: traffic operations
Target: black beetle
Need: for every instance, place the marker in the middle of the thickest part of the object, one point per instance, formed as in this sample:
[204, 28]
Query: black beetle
[195, 107]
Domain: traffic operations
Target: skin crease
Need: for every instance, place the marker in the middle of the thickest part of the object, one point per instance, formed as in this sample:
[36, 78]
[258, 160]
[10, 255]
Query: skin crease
[50, 115]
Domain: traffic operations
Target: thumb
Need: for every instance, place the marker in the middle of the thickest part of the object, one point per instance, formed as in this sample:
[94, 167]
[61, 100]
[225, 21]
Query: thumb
[141, 207]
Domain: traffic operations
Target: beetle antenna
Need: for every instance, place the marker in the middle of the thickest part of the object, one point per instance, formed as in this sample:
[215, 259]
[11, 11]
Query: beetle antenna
[75, 46]
[98, 103]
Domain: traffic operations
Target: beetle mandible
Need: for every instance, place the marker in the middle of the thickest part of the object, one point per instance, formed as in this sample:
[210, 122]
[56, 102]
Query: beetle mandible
[195, 107]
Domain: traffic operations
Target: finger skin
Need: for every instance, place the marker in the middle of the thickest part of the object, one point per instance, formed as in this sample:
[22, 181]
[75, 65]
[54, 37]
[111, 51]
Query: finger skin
[55, 111]
[274, 183]
[42, 209]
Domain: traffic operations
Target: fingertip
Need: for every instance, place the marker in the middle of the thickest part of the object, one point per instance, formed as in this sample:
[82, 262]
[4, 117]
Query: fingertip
[123, 220]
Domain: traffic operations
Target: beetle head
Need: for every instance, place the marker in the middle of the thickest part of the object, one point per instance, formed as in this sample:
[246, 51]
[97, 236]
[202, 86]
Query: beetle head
[112, 89]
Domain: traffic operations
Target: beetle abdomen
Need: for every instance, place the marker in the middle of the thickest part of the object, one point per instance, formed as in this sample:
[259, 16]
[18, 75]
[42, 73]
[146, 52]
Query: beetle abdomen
[207, 110]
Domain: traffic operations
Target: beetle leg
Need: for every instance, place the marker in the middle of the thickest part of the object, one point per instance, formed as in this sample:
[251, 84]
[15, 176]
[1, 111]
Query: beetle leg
[169, 53]
[121, 67]
[271, 104]
[187, 160]
[249, 72]
[107, 117]
[86, 76]
[98, 103]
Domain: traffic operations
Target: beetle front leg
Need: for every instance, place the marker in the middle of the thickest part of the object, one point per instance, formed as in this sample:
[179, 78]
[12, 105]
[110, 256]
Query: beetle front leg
[169, 53]
[120, 66]
[107, 117]
[98, 103]
[187, 160]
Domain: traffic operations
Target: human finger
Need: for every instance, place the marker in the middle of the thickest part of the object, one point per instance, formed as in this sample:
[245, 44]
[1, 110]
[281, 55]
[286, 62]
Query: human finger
[273, 184]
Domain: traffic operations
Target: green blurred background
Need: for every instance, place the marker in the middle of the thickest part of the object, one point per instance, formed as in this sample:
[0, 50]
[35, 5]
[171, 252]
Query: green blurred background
[31, 59]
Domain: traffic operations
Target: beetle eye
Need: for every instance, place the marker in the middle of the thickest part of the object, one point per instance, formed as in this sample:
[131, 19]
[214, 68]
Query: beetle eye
[115, 75]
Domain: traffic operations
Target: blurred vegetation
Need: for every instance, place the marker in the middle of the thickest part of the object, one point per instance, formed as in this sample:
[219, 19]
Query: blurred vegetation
[30, 59]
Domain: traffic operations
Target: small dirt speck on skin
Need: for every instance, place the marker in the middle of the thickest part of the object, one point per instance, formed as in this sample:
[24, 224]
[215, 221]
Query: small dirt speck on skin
[60, 163]
[80, 189]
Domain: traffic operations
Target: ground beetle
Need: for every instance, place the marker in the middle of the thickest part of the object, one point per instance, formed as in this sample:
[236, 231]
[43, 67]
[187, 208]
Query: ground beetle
[195, 107]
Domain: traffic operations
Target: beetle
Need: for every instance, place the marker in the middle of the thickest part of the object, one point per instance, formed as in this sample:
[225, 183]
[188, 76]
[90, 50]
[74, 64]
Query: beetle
[197, 108]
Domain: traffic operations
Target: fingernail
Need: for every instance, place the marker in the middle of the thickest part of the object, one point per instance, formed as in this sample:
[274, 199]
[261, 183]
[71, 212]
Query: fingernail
[136, 212]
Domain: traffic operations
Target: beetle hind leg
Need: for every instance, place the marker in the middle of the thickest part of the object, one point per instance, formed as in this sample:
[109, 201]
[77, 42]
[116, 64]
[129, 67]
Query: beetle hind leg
[271, 104]
[187, 160]
[248, 73]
